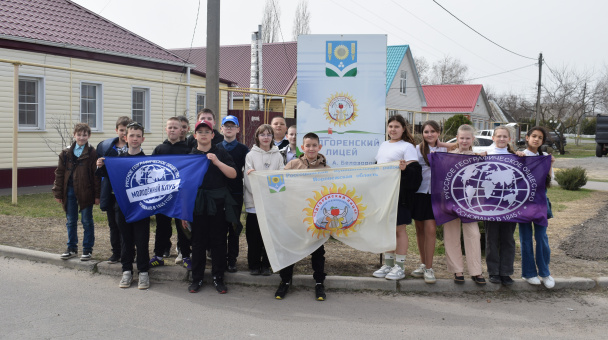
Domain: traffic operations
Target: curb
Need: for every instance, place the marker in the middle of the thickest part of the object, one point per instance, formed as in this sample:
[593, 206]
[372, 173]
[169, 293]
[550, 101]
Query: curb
[177, 273]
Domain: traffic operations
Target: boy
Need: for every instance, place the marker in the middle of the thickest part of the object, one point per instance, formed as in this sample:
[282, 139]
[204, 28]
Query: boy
[185, 123]
[213, 207]
[238, 151]
[279, 126]
[310, 159]
[134, 234]
[77, 189]
[112, 147]
[162, 240]
[291, 151]
[208, 116]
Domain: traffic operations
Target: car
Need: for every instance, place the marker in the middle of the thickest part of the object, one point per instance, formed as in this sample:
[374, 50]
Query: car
[554, 141]
[482, 143]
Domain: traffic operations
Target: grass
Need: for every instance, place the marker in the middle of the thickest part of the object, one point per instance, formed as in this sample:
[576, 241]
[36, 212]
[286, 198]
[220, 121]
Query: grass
[574, 151]
[559, 197]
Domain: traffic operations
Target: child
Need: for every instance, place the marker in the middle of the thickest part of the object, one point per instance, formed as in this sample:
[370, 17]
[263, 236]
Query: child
[535, 138]
[238, 151]
[263, 156]
[213, 207]
[181, 236]
[209, 116]
[500, 245]
[112, 147]
[400, 147]
[279, 127]
[185, 123]
[162, 239]
[291, 151]
[422, 212]
[135, 234]
[465, 138]
[310, 159]
[77, 189]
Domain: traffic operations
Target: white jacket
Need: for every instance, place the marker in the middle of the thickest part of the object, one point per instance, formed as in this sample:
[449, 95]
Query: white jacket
[260, 160]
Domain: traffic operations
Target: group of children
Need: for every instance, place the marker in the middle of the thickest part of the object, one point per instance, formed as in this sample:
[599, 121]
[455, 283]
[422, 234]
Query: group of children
[82, 180]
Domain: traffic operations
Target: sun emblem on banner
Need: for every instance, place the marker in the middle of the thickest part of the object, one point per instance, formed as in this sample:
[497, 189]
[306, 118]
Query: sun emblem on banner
[334, 211]
[341, 109]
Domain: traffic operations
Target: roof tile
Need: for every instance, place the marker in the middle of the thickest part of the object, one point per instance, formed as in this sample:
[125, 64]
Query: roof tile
[451, 98]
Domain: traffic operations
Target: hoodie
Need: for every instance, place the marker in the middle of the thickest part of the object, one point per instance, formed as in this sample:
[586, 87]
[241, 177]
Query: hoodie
[260, 160]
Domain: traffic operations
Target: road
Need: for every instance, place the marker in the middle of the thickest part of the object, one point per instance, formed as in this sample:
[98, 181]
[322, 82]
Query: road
[41, 301]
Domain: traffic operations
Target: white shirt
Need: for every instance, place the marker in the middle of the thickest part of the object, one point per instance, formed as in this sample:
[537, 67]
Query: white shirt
[401, 150]
[499, 151]
[425, 186]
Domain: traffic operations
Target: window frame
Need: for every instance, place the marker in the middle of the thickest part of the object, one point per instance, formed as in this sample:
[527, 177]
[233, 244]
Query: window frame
[41, 98]
[98, 104]
[147, 103]
[204, 95]
[403, 82]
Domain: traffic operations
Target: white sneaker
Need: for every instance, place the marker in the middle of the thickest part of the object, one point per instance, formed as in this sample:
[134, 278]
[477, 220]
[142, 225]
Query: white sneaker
[548, 282]
[396, 273]
[532, 280]
[179, 258]
[144, 281]
[419, 272]
[382, 271]
[429, 276]
[127, 278]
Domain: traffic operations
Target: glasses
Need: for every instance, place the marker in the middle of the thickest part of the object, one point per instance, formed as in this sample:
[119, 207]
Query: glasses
[132, 124]
[204, 132]
[230, 127]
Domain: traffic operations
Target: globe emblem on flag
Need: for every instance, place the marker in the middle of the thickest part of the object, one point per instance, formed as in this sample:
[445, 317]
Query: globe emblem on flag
[490, 189]
[152, 181]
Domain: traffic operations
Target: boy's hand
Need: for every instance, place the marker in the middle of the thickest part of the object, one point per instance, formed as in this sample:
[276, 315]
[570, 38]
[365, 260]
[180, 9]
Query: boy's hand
[59, 200]
[213, 158]
[184, 224]
[97, 201]
[100, 162]
[249, 171]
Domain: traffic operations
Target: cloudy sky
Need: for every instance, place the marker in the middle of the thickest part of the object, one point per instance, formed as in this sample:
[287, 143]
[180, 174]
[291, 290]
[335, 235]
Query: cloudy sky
[568, 33]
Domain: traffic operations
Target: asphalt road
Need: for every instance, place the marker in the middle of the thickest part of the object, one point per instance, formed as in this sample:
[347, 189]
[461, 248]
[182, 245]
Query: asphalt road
[41, 301]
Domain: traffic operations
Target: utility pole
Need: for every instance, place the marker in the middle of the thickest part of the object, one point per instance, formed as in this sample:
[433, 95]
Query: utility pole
[213, 57]
[540, 71]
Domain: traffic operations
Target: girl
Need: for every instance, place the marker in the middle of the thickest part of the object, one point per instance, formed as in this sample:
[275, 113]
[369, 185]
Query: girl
[451, 230]
[263, 156]
[400, 147]
[422, 212]
[535, 138]
[500, 245]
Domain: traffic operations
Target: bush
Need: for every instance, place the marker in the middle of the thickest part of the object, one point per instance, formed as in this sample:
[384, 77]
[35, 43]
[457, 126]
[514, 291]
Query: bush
[453, 123]
[571, 179]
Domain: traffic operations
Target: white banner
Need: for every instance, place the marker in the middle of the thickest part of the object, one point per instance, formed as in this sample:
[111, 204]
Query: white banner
[298, 210]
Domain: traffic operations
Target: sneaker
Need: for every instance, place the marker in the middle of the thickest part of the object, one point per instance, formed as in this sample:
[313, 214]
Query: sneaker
[86, 255]
[532, 280]
[221, 288]
[195, 286]
[282, 290]
[231, 268]
[167, 253]
[187, 263]
[209, 255]
[266, 271]
[156, 261]
[114, 259]
[144, 281]
[419, 272]
[429, 276]
[506, 280]
[178, 259]
[255, 271]
[127, 278]
[382, 271]
[320, 292]
[549, 282]
[495, 279]
[69, 253]
[396, 273]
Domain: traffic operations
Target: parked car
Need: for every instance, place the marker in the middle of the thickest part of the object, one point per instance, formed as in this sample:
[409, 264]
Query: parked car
[482, 143]
[601, 136]
[554, 141]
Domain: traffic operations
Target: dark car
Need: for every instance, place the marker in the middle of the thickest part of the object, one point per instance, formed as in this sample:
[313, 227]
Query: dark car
[554, 141]
[601, 136]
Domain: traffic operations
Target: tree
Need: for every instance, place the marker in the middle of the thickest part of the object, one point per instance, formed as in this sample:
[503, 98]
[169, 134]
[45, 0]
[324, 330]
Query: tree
[449, 71]
[271, 25]
[423, 68]
[301, 23]
[451, 125]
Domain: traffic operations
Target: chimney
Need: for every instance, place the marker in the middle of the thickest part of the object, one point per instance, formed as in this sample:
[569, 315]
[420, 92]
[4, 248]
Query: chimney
[256, 101]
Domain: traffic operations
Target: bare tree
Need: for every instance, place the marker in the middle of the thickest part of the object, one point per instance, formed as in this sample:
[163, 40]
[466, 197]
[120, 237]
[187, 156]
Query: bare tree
[423, 68]
[63, 128]
[271, 25]
[301, 23]
[601, 91]
[449, 71]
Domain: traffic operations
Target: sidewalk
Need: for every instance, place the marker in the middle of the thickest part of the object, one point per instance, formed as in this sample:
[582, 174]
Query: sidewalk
[177, 273]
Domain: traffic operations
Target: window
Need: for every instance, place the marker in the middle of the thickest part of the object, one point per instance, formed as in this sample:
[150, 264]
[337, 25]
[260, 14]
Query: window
[90, 105]
[31, 103]
[392, 113]
[409, 117]
[200, 102]
[140, 111]
[403, 82]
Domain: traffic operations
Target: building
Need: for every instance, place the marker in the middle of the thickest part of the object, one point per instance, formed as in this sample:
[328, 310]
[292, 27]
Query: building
[445, 101]
[404, 93]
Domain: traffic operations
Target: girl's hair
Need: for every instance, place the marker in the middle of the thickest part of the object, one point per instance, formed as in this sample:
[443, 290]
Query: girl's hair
[511, 135]
[540, 152]
[406, 136]
[258, 132]
[424, 147]
[464, 128]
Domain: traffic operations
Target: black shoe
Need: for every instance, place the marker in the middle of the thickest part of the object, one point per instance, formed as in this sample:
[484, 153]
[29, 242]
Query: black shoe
[266, 271]
[255, 271]
[458, 279]
[167, 253]
[218, 282]
[69, 253]
[320, 292]
[479, 280]
[114, 259]
[195, 286]
[282, 290]
[506, 280]
[86, 255]
[495, 279]
[231, 268]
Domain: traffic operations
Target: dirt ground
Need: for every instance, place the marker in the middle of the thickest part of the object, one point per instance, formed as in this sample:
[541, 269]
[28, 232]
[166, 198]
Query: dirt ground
[577, 237]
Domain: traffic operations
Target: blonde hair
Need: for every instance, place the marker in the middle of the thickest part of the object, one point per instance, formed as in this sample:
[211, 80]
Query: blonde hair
[510, 132]
[464, 128]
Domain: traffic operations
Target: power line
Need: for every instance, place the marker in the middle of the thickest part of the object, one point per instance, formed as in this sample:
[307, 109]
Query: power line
[483, 36]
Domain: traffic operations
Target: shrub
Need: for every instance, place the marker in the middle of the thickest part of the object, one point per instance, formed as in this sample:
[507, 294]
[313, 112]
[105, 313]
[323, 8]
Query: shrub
[453, 123]
[571, 179]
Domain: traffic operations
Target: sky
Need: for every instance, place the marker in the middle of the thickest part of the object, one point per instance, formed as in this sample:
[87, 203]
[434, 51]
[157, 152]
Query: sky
[569, 33]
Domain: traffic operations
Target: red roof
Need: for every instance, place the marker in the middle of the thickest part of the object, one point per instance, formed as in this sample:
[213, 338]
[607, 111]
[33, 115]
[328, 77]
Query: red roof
[69, 25]
[279, 64]
[451, 98]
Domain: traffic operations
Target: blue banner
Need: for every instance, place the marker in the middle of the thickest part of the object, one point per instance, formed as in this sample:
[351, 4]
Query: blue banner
[161, 184]
[502, 188]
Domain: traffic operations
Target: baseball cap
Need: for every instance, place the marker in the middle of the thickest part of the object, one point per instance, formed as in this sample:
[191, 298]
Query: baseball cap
[203, 123]
[231, 119]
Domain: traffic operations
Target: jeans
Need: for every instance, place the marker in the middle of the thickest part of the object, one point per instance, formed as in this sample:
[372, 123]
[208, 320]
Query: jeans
[543, 252]
[86, 217]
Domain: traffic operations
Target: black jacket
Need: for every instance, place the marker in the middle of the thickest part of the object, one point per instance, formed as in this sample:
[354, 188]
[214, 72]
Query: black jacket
[168, 148]
[411, 178]
[238, 156]
[215, 178]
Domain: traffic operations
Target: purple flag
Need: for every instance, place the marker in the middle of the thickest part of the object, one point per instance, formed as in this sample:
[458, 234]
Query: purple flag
[504, 188]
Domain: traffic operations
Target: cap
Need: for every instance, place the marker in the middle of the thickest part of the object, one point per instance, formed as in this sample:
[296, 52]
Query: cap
[231, 119]
[204, 123]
